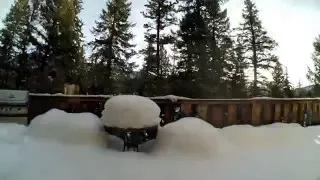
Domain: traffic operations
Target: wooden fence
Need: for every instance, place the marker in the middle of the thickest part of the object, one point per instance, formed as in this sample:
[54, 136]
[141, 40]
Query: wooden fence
[218, 112]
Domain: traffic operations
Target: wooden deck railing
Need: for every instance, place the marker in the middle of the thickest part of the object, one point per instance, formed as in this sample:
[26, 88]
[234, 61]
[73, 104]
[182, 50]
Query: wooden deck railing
[218, 112]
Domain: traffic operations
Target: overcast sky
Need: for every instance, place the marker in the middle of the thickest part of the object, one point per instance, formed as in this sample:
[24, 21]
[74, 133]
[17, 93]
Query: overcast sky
[292, 23]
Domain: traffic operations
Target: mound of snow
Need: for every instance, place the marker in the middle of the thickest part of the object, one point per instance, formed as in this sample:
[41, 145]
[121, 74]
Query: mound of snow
[278, 135]
[130, 111]
[11, 132]
[191, 137]
[70, 128]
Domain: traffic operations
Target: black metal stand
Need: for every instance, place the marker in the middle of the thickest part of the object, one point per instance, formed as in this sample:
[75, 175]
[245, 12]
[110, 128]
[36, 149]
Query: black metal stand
[132, 138]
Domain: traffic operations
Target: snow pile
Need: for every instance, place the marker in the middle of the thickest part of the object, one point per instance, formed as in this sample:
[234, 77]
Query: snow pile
[276, 135]
[130, 111]
[34, 159]
[10, 132]
[191, 137]
[10, 140]
[71, 128]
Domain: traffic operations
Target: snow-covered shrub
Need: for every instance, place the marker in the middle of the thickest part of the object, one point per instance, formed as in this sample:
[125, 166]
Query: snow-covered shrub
[130, 111]
[192, 137]
[72, 128]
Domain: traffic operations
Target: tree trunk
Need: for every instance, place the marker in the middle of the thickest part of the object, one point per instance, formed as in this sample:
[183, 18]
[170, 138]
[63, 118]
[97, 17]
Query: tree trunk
[254, 61]
[158, 40]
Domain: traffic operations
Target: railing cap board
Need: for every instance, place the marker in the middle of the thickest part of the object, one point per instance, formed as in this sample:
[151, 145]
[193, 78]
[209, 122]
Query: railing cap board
[160, 99]
[177, 99]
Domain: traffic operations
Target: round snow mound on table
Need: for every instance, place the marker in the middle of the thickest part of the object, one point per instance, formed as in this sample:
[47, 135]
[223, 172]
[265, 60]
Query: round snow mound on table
[190, 137]
[71, 128]
[130, 111]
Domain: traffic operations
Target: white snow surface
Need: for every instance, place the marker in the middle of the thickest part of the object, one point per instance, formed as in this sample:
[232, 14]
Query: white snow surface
[278, 152]
[190, 137]
[72, 128]
[130, 111]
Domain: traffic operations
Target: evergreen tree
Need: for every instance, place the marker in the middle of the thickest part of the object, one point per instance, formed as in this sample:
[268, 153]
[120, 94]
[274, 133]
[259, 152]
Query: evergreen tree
[14, 41]
[276, 87]
[220, 45]
[149, 70]
[258, 45]
[287, 89]
[59, 41]
[112, 48]
[237, 77]
[161, 15]
[314, 75]
[193, 60]
[300, 91]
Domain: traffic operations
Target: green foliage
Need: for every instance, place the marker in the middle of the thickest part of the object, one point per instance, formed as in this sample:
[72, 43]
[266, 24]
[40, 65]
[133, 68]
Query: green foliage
[42, 47]
[314, 75]
[112, 47]
[237, 80]
[258, 45]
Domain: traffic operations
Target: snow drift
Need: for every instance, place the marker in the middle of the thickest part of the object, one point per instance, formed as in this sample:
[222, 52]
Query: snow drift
[191, 137]
[71, 128]
[130, 111]
[277, 135]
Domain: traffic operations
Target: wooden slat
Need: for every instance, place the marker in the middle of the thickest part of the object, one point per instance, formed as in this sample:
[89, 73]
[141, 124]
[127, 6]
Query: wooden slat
[301, 112]
[245, 114]
[277, 113]
[202, 111]
[286, 113]
[318, 110]
[186, 108]
[256, 113]
[267, 114]
[232, 114]
[295, 113]
[168, 112]
[217, 115]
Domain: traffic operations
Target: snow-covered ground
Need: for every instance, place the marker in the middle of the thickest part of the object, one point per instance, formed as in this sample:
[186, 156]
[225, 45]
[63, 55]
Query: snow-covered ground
[277, 152]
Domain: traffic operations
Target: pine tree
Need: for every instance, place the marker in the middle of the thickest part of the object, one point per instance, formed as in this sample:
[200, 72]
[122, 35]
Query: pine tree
[59, 41]
[149, 70]
[193, 60]
[161, 15]
[257, 43]
[237, 77]
[314, 75]
[300, 91]
[112, 48]
[277, 84]
[14, 41]
[287, 86]
[220, 46]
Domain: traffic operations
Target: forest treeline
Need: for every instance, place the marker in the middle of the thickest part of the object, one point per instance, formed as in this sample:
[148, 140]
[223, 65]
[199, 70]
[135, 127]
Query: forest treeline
[191, 51]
